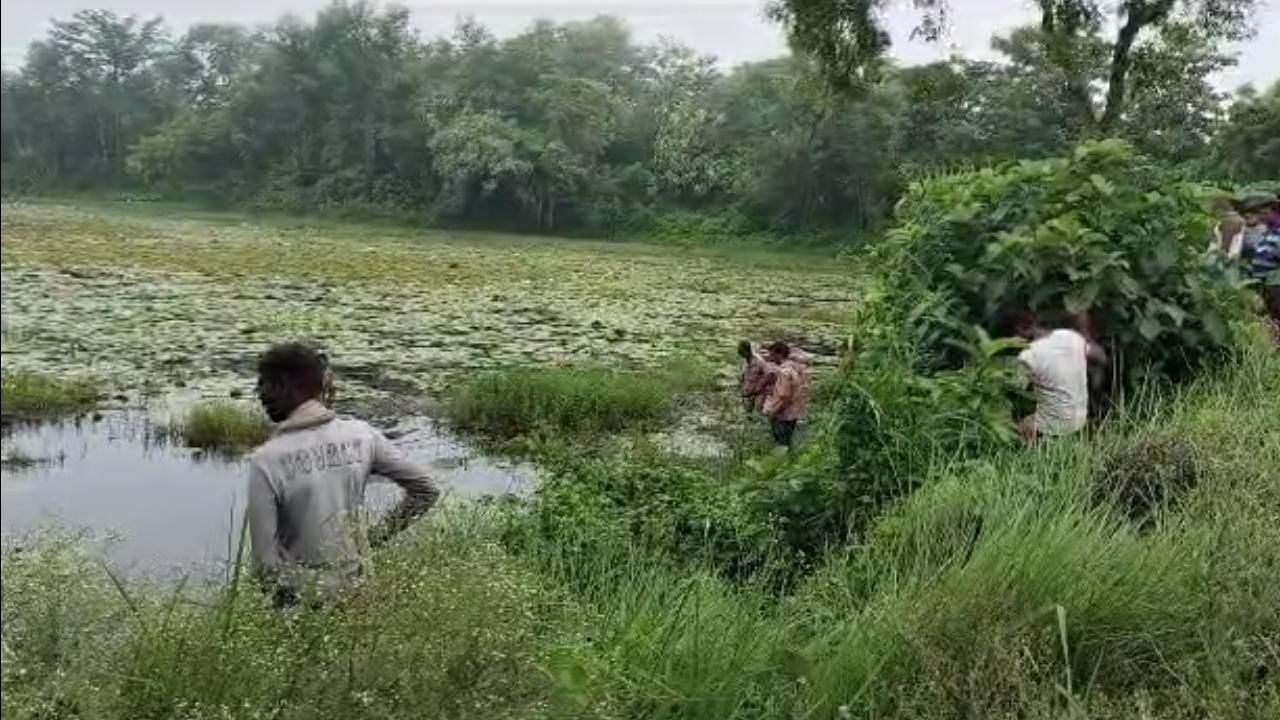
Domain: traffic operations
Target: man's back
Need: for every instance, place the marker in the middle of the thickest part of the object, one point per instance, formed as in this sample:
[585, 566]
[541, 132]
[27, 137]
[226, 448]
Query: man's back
[789, 395]
[1057, 366]
[306, 496]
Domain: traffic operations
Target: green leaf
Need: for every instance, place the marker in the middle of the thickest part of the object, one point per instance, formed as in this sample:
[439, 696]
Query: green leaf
[1150, 328]
[1083, 298]
[1165, 254]
[1214, 327]
[1103, 186]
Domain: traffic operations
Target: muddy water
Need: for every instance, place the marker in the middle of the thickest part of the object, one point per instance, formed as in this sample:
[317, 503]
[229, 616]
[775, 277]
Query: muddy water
[154, 506]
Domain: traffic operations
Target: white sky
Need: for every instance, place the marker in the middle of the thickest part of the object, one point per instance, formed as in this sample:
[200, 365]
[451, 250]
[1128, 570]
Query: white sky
[734, 31]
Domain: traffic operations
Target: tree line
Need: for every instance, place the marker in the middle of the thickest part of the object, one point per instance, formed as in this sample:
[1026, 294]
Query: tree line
[576, 128]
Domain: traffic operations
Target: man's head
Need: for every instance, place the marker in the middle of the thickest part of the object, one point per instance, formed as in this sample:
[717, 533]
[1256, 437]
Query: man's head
[290, 374]
[1258, 207]
[744, 349]
[779, 352]
[1026, 324]
[1271, 215]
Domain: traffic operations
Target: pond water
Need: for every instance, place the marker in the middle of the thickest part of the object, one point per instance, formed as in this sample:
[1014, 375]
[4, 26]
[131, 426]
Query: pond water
[155, 506]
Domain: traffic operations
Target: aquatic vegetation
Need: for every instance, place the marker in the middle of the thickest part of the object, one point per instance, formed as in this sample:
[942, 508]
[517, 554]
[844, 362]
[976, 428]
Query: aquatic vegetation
[27, 395]
[193, 300]
[228, 425]
[515, 401]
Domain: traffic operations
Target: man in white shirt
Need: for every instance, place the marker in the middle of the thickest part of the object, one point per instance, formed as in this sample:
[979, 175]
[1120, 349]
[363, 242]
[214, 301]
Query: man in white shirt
[1056, 365]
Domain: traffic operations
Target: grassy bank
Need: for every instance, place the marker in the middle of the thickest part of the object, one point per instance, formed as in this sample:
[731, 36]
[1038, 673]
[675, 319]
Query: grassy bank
[1022, 586]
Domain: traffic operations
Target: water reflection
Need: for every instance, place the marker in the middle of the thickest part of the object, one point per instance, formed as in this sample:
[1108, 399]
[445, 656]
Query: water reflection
[167, 507]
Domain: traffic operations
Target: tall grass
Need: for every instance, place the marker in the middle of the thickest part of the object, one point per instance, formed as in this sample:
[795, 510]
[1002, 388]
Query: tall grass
[26, 395]
[448, 627]
[225, 425]
[517, 401]
[1006, 588]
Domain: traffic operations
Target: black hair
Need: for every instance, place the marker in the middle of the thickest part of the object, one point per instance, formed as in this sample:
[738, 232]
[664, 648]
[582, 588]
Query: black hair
[779, 347]
[295, 366]
[744, 349]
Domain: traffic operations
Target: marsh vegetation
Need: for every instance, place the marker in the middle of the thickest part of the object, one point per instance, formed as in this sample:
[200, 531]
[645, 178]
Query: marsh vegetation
[635, 547]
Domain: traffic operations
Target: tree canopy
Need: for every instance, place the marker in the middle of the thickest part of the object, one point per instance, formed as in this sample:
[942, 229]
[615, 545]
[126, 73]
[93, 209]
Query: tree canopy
[575, 127]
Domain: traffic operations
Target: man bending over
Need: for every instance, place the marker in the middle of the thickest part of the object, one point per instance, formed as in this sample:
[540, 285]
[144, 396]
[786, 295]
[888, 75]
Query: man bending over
[307, 482]
[1056, 364]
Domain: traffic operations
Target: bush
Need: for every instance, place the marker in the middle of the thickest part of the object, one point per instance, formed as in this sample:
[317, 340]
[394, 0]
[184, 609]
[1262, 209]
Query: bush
[1106, 239]
[26, 395]
[517, 401]
[684, 508]
[225, 425]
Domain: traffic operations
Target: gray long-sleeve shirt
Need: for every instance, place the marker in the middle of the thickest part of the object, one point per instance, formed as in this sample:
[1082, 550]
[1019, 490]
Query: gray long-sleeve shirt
[307, 521]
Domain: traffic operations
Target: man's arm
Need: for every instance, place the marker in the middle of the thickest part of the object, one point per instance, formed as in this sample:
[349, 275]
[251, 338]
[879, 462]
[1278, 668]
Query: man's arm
[779, 394]
[1094, 353]
[420, 493]
[264, 522]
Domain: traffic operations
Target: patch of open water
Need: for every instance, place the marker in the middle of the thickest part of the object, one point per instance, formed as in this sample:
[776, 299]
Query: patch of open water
[157, 506]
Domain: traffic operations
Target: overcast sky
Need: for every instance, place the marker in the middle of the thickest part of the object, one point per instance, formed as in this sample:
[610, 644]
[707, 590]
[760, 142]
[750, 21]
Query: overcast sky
[734, 31]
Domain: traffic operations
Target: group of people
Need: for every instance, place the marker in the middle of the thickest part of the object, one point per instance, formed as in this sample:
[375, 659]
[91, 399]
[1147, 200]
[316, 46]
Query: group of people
[776, 385]
[307, 482]
[1247, 242]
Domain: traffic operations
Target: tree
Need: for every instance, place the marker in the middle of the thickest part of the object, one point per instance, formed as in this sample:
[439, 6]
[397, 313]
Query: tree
[84, 95]
[1247, 146]
[847, 38]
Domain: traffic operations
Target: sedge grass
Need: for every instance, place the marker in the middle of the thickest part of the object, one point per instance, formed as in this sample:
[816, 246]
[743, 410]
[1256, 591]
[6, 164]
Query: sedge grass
[26, 395]
[224, 425]
[516, 401]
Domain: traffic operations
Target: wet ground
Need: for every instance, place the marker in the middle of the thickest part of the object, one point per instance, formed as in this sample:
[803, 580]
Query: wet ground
[156, 506]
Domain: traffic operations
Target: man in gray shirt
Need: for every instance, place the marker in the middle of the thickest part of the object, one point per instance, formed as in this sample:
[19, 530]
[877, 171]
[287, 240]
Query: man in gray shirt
[307, 521]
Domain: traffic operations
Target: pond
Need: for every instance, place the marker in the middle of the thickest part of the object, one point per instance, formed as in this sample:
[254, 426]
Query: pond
[154, 506]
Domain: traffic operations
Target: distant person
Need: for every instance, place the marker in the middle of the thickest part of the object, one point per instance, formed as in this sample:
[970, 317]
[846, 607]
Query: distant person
[1251, 208]
[756, 377]
[787, 398]
[1264, 252]
[1227, 244]
[307, 483]
[1056, 364]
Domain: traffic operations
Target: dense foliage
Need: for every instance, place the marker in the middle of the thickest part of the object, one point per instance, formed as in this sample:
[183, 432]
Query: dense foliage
[1106, 240]
[564, 127]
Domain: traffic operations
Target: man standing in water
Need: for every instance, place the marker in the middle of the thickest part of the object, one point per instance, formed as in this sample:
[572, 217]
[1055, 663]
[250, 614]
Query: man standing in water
[787, 397]
[1056, 364]
[307, 483]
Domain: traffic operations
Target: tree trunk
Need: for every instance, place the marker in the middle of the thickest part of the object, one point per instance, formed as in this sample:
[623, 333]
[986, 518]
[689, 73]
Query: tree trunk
[1138, 14]
[1059, 34]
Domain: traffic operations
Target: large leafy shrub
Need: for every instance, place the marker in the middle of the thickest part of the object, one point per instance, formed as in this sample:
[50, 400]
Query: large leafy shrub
[1106, 238]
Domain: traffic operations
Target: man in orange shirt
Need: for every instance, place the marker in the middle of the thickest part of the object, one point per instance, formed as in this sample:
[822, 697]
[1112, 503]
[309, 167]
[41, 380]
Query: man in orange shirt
[788, 396]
